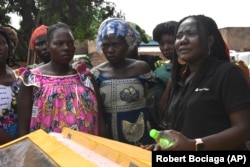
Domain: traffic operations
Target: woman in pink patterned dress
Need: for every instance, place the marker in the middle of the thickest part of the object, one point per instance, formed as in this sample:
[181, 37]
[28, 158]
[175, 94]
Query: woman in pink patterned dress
[56, 95]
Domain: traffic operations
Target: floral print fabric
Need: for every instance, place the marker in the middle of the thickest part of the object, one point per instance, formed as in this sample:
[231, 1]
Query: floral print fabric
[126, 109]
[62, 101]
[8, 108]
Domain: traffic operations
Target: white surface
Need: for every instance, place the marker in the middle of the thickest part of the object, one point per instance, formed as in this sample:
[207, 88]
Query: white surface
[85, 152]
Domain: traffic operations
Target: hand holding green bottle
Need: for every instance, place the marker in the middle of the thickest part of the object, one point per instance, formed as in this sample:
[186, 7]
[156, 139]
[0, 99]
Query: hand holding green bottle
[162, 138]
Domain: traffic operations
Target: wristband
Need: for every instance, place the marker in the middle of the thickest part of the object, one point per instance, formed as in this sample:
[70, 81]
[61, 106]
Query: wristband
[199, 144]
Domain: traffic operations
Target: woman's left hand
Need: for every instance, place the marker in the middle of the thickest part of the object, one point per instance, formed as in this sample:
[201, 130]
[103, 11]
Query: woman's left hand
[80, 66]
[181, 142]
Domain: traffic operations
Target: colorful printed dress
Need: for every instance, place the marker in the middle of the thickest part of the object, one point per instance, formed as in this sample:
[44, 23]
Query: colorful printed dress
[8, 108]
[62, 101]
[126, 107]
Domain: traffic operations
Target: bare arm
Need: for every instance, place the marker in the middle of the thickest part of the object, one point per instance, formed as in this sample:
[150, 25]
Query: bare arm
[80, 66]
[230, 138]
[234, 136]
[101, 125]
[143, 67]
[24, 110]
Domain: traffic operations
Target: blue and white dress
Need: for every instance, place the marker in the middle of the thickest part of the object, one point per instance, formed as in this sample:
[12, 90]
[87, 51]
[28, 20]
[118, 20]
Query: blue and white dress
[126, 108]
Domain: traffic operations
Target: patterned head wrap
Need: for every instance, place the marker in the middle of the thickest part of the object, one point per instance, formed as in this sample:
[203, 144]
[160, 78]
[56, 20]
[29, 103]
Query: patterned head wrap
[118, 27]
[41, 30]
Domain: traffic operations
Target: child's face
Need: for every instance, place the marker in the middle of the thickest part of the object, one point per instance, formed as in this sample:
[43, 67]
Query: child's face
[62, 47]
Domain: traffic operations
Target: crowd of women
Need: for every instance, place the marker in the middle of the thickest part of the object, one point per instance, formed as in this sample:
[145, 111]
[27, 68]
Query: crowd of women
[197, 95]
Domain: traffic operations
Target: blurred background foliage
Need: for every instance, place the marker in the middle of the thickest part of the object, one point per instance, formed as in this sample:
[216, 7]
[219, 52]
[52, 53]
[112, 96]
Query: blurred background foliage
[83, 16]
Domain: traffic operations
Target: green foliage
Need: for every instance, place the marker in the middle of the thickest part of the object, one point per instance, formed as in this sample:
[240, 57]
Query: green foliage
[83, 16]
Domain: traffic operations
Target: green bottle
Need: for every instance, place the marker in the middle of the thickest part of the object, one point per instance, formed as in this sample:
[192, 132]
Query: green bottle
[163, 138]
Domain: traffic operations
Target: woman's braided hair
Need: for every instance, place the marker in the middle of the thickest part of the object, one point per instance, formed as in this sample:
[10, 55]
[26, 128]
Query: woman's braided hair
[206, 27]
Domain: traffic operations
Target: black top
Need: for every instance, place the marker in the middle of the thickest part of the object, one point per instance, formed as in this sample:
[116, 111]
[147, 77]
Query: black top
[206, 111]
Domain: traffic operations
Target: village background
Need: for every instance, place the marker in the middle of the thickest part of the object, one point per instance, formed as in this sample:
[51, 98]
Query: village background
[230, 16]
[237, 38]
